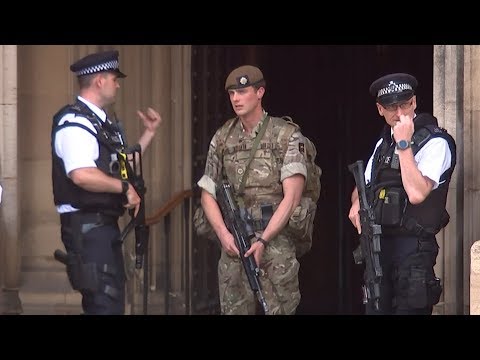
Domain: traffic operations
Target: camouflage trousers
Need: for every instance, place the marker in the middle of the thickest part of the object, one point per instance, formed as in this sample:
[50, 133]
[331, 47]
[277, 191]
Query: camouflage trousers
[278, 278]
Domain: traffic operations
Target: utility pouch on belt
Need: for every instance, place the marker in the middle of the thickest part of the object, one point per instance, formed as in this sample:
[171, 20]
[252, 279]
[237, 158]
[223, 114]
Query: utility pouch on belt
[418, 286]
[202, 225]
[258, 216]
[422, 292]
[82, 276]
[390, 206]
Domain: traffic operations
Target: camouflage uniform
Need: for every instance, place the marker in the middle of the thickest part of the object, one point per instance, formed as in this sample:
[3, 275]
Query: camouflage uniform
[279, 267]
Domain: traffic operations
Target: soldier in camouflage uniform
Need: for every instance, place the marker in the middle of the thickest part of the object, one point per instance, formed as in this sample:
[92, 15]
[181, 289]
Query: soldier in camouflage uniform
[273, 189]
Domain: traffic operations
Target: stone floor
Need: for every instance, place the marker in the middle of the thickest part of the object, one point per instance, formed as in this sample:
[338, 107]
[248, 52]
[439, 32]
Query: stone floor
[48, 292]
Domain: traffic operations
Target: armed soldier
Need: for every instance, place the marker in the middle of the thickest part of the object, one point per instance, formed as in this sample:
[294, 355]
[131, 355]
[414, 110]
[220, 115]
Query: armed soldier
[267, 190]
[407, 176]
[88, 189]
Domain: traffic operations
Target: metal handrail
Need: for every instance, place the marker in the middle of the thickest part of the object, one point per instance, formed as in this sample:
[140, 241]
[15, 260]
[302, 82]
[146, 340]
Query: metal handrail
[163, 213]
[171, 204]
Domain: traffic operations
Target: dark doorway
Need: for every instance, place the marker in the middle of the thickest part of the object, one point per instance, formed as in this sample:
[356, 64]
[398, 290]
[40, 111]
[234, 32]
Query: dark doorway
[325, 90]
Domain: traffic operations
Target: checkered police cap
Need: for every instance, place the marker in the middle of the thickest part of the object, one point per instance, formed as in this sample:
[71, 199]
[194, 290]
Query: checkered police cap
[98, 62]
[393, 88]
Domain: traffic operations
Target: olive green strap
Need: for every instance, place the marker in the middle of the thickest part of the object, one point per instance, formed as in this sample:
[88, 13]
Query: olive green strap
[259, 137]
[221, 146]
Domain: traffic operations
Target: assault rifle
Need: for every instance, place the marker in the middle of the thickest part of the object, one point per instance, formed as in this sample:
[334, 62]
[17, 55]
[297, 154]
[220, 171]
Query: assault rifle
[131, 165]
[242, 233]
[369, 249]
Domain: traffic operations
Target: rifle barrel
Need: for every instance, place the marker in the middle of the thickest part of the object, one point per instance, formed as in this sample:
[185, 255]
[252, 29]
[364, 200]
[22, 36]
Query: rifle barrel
[240, 231]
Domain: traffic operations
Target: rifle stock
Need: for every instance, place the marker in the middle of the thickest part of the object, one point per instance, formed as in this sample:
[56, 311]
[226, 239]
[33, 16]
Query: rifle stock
[242, 234]
[369, 249]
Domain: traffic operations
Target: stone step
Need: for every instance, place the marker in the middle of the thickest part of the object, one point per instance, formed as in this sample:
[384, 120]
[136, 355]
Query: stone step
[45, 290]
[48, 292]
[10, 303]
[50, 303]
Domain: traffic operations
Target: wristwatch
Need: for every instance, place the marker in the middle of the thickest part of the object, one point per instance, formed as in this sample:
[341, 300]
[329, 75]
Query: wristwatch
[263, 241]
[403, 144]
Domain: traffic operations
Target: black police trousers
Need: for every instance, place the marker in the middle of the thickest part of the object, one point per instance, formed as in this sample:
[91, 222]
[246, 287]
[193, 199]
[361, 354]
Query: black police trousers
[408, 285]
[92, 240]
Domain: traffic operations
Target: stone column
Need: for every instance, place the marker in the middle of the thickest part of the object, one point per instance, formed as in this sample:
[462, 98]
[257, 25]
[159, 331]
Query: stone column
[471, 158]
[448, 107]
[457, 106]
[9, 209]
[181, 165]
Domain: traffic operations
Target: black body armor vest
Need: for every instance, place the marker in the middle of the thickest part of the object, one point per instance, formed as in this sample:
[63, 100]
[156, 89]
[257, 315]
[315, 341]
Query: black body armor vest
[109, 142]
[392, 209]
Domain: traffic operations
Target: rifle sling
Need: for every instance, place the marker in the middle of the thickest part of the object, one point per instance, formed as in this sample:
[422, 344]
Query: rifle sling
[256, 143]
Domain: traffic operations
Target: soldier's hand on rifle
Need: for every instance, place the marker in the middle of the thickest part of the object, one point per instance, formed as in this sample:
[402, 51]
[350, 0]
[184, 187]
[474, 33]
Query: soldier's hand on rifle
[256, 249]
[354, 216]
[151, 119]
[228, 243]
[133, 200]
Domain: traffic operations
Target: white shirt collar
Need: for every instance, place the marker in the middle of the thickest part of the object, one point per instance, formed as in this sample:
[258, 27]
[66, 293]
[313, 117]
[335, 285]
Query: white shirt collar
[99, 112]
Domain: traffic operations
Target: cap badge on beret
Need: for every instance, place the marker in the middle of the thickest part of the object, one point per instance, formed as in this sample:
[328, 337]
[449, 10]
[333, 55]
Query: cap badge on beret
[393, 87]
[244, 76]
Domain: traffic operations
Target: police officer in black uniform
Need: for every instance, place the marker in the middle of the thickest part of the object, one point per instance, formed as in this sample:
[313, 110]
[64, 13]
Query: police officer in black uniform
[407, 180]
[89, 192]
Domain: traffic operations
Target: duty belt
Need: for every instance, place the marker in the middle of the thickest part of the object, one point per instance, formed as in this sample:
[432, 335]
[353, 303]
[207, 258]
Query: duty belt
[96, 218]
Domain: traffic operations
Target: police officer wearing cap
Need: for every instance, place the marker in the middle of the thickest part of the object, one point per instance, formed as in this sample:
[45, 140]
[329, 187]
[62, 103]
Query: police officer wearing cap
[89, 192]
[269, 194]
[407, 180]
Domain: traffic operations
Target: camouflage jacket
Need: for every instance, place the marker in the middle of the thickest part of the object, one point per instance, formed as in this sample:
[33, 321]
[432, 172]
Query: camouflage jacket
[229, 152]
